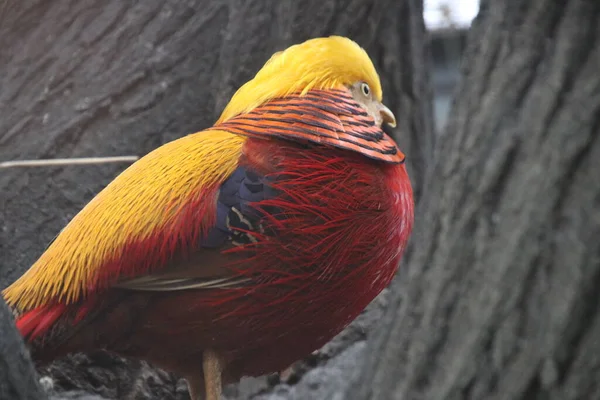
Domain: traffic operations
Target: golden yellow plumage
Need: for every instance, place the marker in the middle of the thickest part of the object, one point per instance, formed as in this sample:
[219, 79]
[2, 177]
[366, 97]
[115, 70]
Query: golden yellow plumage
[322, 63]
[131, 207]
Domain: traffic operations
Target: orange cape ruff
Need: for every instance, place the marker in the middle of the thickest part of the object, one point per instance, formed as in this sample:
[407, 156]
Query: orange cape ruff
[327, 117]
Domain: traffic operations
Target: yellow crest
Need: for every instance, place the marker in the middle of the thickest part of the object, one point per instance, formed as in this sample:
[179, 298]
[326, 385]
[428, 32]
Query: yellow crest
[321, 63]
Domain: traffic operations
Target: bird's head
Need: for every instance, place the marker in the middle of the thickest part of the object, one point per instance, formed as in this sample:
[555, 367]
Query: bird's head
[332, 62]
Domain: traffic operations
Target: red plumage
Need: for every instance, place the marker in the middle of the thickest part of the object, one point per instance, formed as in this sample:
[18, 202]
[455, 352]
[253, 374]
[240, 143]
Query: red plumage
[330, 237]
[347, 221]
[176, 243]
[242, 248]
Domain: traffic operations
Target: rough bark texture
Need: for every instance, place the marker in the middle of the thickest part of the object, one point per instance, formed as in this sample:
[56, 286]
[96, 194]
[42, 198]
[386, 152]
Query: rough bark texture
[500, 299]
[17, 376]
[86, 78]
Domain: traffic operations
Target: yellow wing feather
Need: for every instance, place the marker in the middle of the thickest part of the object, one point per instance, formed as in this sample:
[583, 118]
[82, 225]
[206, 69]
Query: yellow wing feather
[142, 199]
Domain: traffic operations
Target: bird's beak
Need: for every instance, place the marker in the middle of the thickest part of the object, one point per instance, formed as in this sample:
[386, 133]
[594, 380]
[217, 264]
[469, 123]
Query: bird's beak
[387, 116]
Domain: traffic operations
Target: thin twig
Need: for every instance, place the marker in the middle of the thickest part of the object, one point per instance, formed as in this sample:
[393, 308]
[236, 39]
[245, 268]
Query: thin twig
[67, 161]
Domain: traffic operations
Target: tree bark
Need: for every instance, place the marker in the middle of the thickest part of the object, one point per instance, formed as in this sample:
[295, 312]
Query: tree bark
[500, 299]
[112, 77]
[17, 376]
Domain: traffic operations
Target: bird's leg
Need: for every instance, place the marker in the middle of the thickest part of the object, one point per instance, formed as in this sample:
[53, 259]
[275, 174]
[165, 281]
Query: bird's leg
[213, 366]
[196, 387]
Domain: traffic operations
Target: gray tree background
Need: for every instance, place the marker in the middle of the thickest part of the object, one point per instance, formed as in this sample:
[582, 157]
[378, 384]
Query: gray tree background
[497, 297]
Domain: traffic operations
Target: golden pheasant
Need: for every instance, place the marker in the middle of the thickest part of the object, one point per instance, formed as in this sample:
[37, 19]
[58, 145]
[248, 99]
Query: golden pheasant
[242, 248]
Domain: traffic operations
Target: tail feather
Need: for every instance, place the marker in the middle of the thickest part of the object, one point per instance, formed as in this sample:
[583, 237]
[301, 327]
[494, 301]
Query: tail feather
[39, 321]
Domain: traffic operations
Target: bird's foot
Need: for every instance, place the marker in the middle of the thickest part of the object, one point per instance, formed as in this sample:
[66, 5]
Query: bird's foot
[213, 367]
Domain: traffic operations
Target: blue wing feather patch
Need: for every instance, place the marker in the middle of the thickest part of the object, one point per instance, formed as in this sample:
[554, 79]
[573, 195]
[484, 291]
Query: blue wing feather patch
[235, 215]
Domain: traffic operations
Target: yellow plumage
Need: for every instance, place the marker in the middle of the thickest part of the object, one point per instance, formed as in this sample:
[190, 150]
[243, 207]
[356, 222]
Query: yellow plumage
[133, 205]
[322, 63]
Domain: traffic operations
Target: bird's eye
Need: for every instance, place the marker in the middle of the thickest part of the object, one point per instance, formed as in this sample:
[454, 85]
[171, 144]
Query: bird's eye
[365, 89]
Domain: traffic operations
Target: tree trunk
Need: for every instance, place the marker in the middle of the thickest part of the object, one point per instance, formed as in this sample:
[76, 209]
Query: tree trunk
[500, 297]
[17, 377]
[107, 78]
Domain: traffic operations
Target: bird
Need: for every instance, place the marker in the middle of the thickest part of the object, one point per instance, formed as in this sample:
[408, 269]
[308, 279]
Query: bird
[242, 248]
